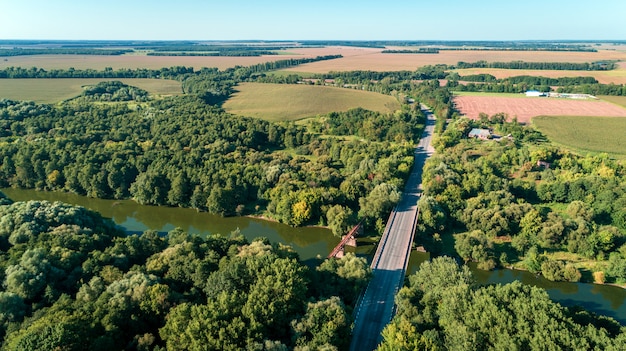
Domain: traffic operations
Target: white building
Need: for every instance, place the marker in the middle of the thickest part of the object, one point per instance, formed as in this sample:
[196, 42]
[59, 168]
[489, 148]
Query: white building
[535, 93]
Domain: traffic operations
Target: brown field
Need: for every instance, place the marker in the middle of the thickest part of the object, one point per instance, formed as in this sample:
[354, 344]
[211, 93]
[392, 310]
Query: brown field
[527, 107]
[354, 59]
[374, 60]
[135, 61]
[617, 76]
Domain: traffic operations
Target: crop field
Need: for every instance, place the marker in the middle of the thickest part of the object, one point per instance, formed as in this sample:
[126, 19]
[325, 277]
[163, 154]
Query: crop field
[55, 90]
[527, 107]
[137, 61]
[617, 76]
[586, 134]
[374, 60]
[278, 102]
[618, 100]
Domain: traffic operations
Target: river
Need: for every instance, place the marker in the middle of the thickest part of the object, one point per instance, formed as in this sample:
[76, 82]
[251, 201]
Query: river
[313, 243]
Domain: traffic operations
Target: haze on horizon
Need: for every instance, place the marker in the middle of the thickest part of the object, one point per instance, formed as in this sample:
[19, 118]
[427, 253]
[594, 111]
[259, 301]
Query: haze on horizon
[320, 20]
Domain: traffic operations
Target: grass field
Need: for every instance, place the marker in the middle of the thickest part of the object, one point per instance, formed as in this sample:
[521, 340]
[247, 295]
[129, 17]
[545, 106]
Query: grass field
[55, 90]
[277, 102]
[586, 134]
[618, 100]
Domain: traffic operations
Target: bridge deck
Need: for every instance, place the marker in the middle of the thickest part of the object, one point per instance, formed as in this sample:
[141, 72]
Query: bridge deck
[392, 255]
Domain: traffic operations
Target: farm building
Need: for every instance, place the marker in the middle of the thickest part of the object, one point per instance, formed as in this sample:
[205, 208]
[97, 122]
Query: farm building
[535, 93]
[478, 133]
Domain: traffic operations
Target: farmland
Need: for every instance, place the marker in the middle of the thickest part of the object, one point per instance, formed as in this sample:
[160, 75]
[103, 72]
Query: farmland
[54, 90]
[374, 60]
[276, 102]
[527, 107]
[619, 100]
[587, 134]
[137, 61]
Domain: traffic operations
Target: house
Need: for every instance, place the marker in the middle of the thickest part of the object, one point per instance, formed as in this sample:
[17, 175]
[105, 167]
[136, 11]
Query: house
[478, 133]
[535, 93]
[543, 164]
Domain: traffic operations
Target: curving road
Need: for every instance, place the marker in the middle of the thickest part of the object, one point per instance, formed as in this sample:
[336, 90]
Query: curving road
[376, 308]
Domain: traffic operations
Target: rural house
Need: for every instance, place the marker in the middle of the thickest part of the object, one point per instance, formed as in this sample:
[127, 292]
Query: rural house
[479, 133]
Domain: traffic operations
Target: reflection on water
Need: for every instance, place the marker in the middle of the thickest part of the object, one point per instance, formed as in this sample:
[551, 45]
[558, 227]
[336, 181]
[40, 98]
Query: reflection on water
[308, 242]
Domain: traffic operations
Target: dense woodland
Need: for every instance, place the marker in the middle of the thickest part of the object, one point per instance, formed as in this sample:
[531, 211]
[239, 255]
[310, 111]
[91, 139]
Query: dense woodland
[518, 199]
[73, 281]
[443, 308]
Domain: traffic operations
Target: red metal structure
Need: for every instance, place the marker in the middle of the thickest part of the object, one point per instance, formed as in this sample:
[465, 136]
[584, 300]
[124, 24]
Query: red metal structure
[348, 239]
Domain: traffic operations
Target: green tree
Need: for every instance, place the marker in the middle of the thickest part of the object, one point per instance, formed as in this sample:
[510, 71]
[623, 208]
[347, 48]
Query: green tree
[340, 219]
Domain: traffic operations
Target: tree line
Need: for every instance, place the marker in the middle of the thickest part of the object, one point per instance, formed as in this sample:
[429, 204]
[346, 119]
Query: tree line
[71, 280]
[570, 66]
[62, 51]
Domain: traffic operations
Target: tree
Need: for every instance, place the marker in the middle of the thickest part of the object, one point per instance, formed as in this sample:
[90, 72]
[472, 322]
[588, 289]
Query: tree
[325, 324]
[340, 219]
[379, 201]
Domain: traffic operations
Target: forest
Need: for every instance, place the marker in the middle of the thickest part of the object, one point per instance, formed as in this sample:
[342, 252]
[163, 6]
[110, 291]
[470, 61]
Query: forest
[73, 281]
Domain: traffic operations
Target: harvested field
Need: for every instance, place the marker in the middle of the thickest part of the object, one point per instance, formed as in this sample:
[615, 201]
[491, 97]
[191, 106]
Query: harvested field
[586, 134]
[54, 90]
[278, 102]
[617, 76]
[137, 61]
[374, 60]
[527, 107]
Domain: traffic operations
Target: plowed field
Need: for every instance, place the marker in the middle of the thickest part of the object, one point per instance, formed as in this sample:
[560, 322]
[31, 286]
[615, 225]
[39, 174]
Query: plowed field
[527, 107]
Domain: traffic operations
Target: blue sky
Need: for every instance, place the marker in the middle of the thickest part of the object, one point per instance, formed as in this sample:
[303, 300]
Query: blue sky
[313, 20]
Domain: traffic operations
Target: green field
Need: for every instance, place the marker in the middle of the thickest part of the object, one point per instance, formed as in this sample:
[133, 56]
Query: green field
[278, 102]
[618, 100]
[586, 134]
[55, 90]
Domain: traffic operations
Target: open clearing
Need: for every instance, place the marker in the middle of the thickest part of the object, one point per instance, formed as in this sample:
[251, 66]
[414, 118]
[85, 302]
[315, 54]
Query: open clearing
[58, 89]
[617, 76]
[590, 134]
[527, 107]
[278, 102]
[373, 60]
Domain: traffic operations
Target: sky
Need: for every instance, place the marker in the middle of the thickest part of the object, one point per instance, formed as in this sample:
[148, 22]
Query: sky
[313, 20]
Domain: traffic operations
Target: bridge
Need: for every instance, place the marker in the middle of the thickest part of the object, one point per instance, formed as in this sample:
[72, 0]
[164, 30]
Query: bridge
[389, 264]
[347, 240]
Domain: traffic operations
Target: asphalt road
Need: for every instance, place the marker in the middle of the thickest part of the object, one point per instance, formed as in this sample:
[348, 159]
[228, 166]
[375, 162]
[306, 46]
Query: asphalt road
[389, 264]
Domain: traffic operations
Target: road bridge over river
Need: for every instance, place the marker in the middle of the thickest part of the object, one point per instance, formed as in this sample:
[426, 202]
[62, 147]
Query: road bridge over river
[376, 307]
